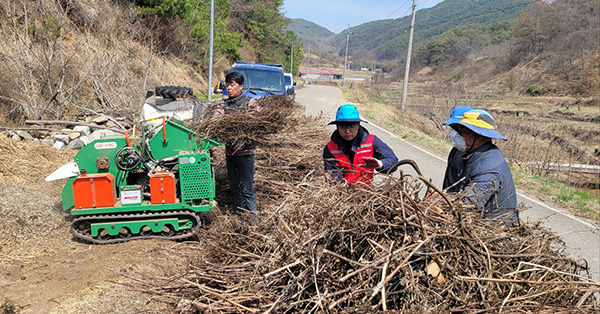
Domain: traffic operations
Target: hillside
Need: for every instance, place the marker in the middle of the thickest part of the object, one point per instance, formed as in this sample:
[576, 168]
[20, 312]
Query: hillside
[388, 39]
[307, 31]
[527, 47]
[68, 58]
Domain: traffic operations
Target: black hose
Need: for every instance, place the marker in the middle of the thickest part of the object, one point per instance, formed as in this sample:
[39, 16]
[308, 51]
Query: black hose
[124, 168]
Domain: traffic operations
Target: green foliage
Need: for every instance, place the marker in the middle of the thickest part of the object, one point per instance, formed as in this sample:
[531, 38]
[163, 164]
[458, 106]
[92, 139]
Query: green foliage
[565, 196]
[265, 31]
[534, 90]
[46, 27]
[166, 8]
[196, 16]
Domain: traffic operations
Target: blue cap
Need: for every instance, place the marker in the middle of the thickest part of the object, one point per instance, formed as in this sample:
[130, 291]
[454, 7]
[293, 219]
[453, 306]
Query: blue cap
[480, 122]
[457, 114]
[345, 114]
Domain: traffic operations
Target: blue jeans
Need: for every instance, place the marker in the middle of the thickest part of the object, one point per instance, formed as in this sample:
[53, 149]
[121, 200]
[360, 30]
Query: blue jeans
[240, 173]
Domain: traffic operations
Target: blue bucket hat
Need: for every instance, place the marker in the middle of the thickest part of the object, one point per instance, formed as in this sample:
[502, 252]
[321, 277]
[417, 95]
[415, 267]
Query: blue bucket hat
[346, 114]
[480, 122]
[457, 114]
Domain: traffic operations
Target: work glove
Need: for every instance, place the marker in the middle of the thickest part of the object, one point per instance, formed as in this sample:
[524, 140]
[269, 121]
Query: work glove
[371, 163]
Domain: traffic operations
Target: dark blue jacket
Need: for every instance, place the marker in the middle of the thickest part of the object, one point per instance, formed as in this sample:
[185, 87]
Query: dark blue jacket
[380, 151]
[454, 170]
[490, 184]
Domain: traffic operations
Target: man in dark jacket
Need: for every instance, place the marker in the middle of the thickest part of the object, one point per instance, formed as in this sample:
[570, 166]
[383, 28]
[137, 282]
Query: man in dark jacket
[353, 154]
[239, 156]
[455, 168]
[488, 179]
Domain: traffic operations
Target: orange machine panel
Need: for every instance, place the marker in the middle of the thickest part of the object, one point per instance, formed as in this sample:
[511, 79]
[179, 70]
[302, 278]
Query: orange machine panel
[162, 188]
[94, 190]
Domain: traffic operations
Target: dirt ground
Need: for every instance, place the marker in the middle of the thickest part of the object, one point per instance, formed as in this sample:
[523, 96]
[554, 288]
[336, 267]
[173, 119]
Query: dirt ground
[43, 269]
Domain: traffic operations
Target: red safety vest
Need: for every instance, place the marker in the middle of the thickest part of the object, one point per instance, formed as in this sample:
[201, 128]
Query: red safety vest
[351, 171]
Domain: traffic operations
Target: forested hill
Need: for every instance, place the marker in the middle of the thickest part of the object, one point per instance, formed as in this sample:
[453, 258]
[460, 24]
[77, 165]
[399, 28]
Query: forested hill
[388, 39]
[308, 32]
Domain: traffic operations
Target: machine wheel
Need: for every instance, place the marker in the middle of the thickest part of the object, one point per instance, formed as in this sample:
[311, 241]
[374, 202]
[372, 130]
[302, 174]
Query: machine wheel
[145, 231]
[83, 227]
[124, 233]
[103, 234]
[167, 231]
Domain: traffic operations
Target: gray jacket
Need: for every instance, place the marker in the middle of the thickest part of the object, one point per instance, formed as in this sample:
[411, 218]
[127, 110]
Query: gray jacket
[490, 184]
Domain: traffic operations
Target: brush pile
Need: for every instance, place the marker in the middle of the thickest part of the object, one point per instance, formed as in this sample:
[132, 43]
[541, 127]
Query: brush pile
[273, 115]
[323, 247]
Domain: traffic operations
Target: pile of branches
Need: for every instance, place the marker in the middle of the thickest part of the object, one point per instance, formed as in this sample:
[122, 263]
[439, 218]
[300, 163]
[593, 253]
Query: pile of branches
[273, 115]
[331, 248]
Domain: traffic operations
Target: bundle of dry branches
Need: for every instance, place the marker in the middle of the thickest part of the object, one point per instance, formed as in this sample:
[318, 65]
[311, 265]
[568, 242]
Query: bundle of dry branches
[321, 247]
[276, 114]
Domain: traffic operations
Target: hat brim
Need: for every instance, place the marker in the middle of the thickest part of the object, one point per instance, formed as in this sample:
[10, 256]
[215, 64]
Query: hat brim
[489, 133]
[346, 121]
[451, 121]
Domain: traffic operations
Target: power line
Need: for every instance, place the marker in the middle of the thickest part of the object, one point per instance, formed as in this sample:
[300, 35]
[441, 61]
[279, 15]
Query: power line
[423, 2]
[361, 18]
[397, 9]
[486, 13]
[477, 15]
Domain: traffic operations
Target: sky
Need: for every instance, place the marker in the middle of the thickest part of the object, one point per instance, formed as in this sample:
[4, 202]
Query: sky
[335, 15]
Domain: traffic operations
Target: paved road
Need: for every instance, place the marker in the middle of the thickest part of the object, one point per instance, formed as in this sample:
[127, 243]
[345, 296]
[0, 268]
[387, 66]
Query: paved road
[581, 237]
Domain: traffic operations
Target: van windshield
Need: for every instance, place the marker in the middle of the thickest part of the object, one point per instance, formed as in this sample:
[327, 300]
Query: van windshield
[288, 80]
[261, 79]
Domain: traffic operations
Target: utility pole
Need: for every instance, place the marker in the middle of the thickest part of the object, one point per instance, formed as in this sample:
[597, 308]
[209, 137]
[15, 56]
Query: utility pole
[308, 60]
[210, 58]
[292, 60]
[410, 39]
[346, 58]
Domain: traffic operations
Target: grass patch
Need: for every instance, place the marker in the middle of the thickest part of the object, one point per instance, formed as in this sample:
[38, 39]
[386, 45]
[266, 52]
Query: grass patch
[576, 200]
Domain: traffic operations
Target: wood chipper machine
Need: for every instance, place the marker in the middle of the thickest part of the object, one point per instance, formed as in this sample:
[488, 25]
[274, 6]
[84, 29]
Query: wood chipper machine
[156, 185]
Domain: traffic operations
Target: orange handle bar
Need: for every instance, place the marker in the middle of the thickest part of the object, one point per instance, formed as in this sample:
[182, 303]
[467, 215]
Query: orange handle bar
[127, 137]
[164, 130]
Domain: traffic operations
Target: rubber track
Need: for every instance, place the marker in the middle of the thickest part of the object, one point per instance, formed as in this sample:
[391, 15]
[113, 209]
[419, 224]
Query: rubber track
[124, 217]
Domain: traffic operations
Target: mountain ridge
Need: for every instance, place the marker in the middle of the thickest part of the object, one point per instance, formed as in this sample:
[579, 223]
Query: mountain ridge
[388, 39]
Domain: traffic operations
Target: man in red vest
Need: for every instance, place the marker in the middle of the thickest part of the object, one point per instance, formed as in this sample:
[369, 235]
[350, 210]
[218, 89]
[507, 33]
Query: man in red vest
[353, 154]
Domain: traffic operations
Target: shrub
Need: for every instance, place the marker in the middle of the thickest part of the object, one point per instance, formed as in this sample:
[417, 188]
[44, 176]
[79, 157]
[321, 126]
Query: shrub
[534, 90]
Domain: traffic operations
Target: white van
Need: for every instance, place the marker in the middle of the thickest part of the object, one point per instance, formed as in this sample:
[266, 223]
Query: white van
[290, 85]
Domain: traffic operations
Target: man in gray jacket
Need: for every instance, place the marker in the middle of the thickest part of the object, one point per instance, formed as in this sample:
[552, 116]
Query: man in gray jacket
[488, 179]
[239, 156]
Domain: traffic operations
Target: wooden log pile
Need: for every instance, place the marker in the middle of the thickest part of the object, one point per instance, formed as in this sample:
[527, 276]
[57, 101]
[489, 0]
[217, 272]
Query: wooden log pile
[324, 247]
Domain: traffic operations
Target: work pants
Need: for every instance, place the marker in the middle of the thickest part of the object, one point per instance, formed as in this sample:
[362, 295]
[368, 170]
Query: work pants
[240, 173]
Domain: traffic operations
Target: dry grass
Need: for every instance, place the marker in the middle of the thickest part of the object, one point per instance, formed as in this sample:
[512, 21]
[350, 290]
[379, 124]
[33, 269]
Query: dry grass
[99, 56]
[30, 207]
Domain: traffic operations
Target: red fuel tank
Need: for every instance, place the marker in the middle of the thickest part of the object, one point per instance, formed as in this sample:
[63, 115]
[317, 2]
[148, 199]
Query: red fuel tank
[94, 190]
[162, 188]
